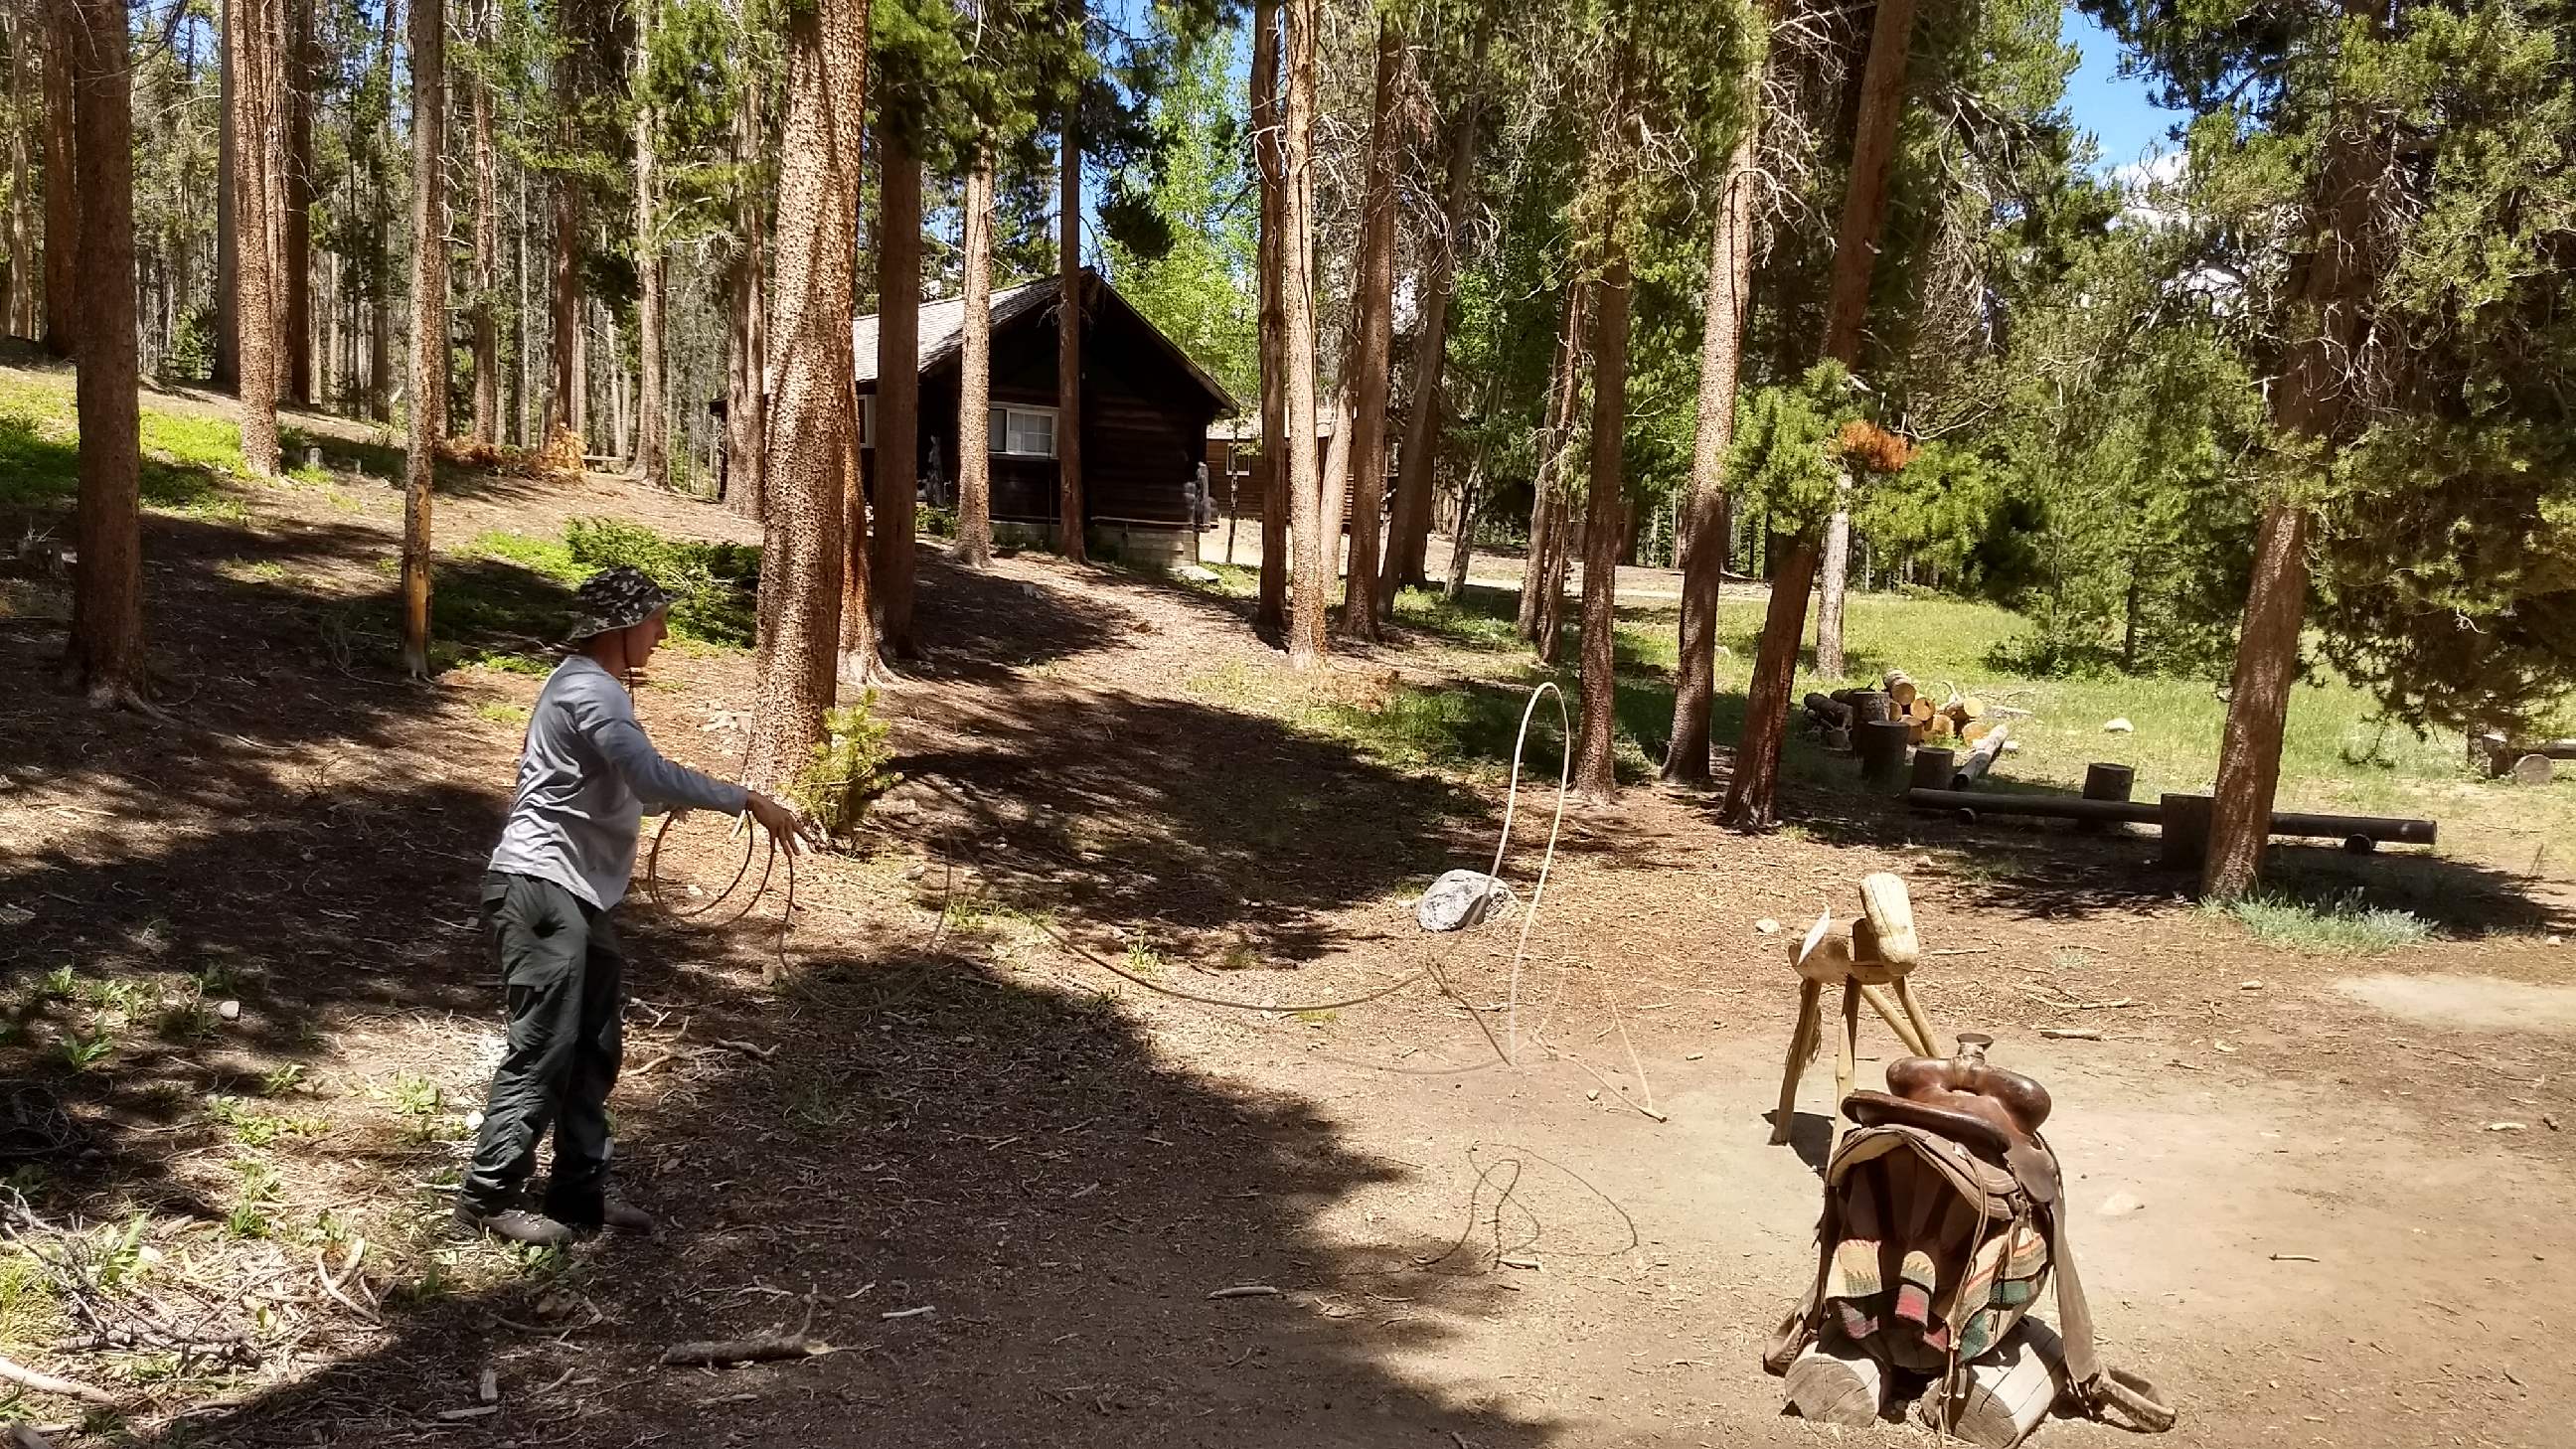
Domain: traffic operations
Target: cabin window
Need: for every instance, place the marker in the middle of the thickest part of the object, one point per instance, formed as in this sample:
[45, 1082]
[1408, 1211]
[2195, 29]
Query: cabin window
[1022, 432]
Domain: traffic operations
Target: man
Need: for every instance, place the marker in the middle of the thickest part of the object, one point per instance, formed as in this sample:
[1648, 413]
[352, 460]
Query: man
[586, 775]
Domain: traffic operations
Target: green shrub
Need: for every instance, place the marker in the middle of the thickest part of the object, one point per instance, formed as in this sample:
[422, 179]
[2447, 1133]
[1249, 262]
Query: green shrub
[713, 586]
[847, 771]
[931, 522]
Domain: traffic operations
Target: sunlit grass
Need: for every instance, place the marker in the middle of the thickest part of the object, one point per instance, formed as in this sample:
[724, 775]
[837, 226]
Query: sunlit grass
[2344, 925]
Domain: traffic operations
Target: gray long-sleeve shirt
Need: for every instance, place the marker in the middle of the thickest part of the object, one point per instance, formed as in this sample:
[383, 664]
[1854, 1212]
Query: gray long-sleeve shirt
[586, 776]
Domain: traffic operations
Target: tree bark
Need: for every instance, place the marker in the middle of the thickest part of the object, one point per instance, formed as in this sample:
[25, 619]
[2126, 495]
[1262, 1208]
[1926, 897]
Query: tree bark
[105, 660]
[227, 368]
[63, 225]
[1539, 573]
[1835, 572]
[652, 408]
[1456, 588]
[1752, 793]
[898, 449]
[1372, 338]
[1605, 510]
[1068, 354]
[255, 116]
[487, 244]
[747, 385]
[2308, 403]
[1312, 577]
[1335, 504]
[428, 410]
[1408, 549]
[1270, 613]
[1703, 540]
[569, 405]
[975, 373]
[812, 433]
[380, 276]
[22, 312]
[295, 229]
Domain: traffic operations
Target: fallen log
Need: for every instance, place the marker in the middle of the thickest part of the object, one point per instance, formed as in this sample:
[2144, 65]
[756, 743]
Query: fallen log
[1988, 748]
[2138, 812]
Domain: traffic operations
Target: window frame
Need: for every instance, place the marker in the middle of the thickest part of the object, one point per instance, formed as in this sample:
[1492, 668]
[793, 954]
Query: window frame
[1003, 413]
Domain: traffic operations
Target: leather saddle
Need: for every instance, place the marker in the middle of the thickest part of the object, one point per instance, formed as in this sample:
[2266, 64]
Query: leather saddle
[1962, 1098]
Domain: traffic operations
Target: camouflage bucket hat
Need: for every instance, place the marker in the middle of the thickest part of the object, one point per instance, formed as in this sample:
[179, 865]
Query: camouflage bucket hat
[615, 598]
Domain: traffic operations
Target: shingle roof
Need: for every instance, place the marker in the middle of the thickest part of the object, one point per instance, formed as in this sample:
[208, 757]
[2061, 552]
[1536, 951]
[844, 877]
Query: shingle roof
[942, 322]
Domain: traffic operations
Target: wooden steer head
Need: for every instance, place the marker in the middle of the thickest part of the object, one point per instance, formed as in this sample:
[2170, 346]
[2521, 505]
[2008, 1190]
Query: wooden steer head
[1876, 949]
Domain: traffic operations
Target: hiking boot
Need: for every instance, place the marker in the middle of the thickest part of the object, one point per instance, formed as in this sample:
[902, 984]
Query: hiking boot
[513, 1225]
[626, 1217]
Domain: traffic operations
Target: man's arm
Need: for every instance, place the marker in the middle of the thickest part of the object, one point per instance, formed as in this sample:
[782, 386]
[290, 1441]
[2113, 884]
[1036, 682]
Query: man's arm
[607, 720]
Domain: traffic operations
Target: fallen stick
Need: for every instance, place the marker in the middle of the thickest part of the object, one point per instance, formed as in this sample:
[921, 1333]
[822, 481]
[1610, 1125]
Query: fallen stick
[24, 1436]
[759, 1053]
[1247, 1290]
[47, 1384]
[2071, 1033]
[749, 1350]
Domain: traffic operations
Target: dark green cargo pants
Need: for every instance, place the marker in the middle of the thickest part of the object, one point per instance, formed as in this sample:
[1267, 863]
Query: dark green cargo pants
[563, 974]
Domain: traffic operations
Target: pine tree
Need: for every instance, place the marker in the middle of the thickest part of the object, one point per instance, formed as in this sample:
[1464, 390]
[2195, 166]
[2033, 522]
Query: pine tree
[1269, 159]
[1316, 534]
[1372, 334]
[428, 400]
[1409, 545]
[813, 439]
[1605, 521]
[898, 394]
[295, 219]
[63, 40]
[1068, 385]
[484, 304]
[652, 407]
[974, 546]
[257, 198]
[105, 660]
[1752, 792]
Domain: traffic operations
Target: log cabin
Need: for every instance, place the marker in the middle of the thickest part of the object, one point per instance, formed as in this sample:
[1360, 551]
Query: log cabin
[1145, 413]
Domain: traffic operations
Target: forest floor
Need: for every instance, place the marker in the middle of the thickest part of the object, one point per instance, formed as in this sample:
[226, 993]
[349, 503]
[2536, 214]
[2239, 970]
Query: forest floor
[2318, 1180]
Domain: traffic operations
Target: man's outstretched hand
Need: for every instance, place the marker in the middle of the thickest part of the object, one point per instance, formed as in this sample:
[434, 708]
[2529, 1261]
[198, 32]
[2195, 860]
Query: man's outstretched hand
[785, 827]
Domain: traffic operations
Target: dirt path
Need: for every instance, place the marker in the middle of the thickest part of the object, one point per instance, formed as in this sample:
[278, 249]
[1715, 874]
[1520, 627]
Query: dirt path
[1005, 1183]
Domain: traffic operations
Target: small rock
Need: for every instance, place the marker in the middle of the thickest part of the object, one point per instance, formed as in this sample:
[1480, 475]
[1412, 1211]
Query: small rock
[2556, 941]
[228, 1010]
[1463, 898]
[1695, 1056]
[2120, 726]
[1767, 926]
[2505, 1127]
[488, 1391]
[2120, 1205]
[1593, 1096]
[2249, 985]
[1194, 574]
[474, 1121]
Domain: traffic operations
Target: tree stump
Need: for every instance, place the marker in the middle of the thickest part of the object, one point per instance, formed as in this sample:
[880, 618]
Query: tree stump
[2534, 770]
[1881, 745]
[2186, 822]
[1935, 769]
[2105, 782]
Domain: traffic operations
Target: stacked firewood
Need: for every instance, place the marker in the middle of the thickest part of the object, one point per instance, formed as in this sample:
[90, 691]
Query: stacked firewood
[1961, 719]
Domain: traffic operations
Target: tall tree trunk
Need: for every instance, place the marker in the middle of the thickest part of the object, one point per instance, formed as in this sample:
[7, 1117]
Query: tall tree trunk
[22, 293]
[227, 369]
[1605, 508]
[975, 373]
[1372, 338]
[747, 385]
[1270, 613]
[1315, 537]
[1335, 506]
[428, 318]
[652, 409]
[524, 369]
[1547, 495]
[380, 274]
[1068, 353]
[1752, 792]
[256, 195]
[105, 660]
[1408, 549]
[295, 252]
[813, 429]
[1459, 555]
[64, 41]
[898, 450]
[1703, 538]
[485, 308]
[1834, 575]
[569, 404]
[2309, 402]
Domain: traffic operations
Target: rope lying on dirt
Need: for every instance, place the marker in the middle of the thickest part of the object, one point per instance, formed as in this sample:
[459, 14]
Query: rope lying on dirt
[1511, 805]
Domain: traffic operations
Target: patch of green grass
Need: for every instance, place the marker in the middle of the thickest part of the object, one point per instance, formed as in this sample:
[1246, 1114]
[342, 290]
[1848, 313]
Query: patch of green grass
[506, 662]
[414, 1095]
[267, 571]
[2342, 925]
[501, 713]
[1486, 618]
[60, 984]
[253, 1212]
[282, 1081]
